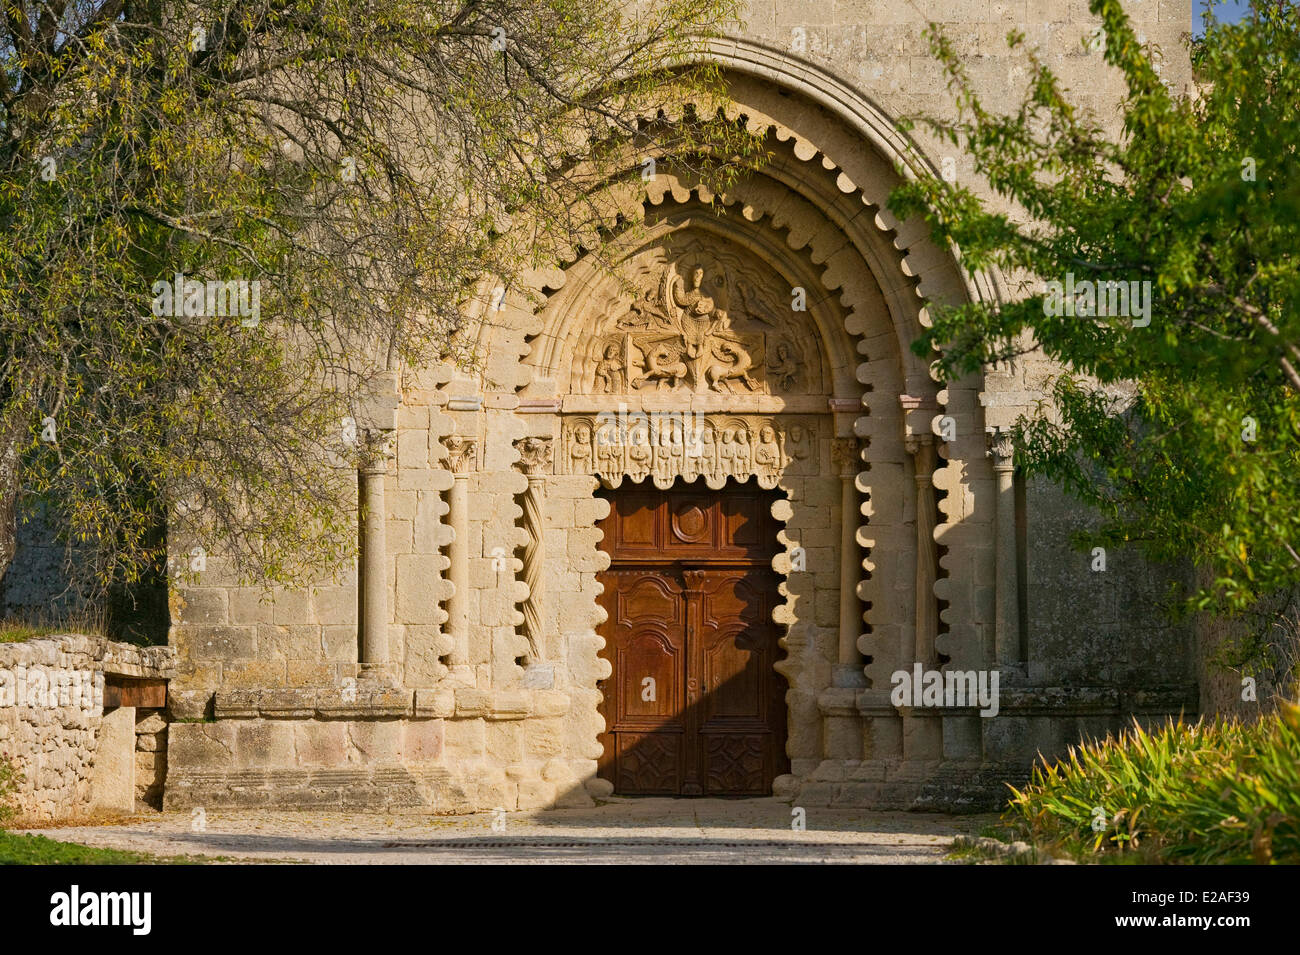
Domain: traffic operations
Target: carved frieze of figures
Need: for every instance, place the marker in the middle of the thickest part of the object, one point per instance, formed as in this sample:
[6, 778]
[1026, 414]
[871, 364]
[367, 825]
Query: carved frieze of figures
[704, 321]
[667, 445]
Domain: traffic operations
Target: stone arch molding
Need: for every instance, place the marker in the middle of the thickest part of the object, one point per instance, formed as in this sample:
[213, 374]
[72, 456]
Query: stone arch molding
[813, 218]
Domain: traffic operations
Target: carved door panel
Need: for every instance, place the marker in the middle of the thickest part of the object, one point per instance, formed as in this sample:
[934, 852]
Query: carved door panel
[693, 705]
[644, 700]
[741, 725]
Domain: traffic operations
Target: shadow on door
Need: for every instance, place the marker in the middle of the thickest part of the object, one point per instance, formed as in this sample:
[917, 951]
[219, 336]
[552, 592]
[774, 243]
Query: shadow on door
[693, 706]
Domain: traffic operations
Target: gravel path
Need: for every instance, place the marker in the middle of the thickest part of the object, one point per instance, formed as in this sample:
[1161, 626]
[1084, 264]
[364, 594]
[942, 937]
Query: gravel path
[621, 831]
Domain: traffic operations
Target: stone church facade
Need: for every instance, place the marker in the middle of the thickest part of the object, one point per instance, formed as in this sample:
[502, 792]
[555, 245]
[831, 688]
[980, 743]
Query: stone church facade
[677, 537]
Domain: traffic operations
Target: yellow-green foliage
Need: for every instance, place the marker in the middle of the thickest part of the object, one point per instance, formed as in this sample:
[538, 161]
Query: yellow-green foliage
[364, 175]
[1222, 792]
[9, 779]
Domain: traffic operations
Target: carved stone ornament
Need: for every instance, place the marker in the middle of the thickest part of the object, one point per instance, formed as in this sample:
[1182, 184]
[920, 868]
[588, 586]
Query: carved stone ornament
[846, 455]
[378, 447]
[461, 454]
[1001, 448]
[669, 445]
[534, 455]
[704, 321]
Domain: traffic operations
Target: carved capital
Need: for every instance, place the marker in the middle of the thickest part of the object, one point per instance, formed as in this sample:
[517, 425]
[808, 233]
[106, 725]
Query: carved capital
[534, 455]
[921, 447]
[918, 443]
[461, 453]
[1001, 448]
[846, 456]
[378, 446]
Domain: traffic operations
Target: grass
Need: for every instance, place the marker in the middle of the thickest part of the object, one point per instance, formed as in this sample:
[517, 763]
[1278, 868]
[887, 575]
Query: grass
[1204, 793]
[19, 633]
[26, 849]
[21, 849]
[22, 628]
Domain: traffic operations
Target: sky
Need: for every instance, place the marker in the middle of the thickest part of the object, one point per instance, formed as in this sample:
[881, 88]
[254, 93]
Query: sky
[1229, 11]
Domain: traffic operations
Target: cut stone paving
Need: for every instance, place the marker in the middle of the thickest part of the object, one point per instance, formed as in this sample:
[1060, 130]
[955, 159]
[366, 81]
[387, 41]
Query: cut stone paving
[632, 831]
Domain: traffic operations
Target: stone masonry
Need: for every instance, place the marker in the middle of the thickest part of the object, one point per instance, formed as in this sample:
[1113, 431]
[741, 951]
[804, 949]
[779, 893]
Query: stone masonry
[468, 676]
[54, 728]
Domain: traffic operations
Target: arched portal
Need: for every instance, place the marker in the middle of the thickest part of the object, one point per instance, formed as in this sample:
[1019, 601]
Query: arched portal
[769, 349]
[778, 333]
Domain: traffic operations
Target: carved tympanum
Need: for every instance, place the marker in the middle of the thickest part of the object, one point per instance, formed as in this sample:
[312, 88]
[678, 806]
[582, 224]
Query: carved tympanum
[704, 321]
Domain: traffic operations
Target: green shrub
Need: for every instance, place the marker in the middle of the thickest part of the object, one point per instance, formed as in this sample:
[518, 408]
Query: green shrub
[10, 777]
[1222, 792]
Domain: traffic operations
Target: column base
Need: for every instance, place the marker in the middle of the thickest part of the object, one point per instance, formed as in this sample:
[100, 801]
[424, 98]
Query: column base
[377, 674]
[848, 675]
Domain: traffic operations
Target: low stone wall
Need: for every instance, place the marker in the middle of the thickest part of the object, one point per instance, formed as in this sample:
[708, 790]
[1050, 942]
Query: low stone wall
[74, 756]
[389, 749]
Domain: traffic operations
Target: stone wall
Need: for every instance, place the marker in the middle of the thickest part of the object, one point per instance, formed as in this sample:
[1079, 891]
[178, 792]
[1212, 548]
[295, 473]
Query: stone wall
[150, 756]
[487, 692]
[54, 728]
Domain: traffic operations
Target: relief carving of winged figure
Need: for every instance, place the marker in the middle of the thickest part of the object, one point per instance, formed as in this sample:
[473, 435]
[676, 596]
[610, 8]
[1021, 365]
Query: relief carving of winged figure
[695, 313]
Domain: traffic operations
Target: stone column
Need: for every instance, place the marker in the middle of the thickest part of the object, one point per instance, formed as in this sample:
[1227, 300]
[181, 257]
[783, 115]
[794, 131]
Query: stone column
[1007, 632]
[924, 457]
[374, 552]
[460, 459]
[847, 457]
[535, 459]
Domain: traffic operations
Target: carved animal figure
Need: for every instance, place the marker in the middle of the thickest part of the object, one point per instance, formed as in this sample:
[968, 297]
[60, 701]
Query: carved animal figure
[662, 366]
[738, 370]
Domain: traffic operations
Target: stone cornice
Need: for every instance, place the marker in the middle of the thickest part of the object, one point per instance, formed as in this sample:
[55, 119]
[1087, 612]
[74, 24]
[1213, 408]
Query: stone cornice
[361, 702]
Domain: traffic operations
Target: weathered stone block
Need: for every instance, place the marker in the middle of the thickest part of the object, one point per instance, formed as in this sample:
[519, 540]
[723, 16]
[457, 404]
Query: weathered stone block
[423, 741]
[439, 702]
[263, 744]
[536, 794]
[205, 606]
[112, 782]
[217, 643]
[505, 742]
[321, 744]
[465, 740]
[199, 746]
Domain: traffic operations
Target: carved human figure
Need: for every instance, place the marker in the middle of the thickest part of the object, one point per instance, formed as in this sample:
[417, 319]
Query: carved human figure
[668, 458]
[767, 456]
[609, 448]
[797, 445]
[609, 371]
[708, 463]
[639, 450]
[784, 370]
[700, 314]
[644, 313]
[580, 449]
[727, 452]
[742, 453]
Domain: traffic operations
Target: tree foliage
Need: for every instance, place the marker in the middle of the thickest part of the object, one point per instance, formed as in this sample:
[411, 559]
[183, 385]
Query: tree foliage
[1185, 431]
[365, 164]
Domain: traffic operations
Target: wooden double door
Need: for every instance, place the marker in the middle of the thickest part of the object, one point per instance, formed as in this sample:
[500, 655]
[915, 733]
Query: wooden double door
[693, 705]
